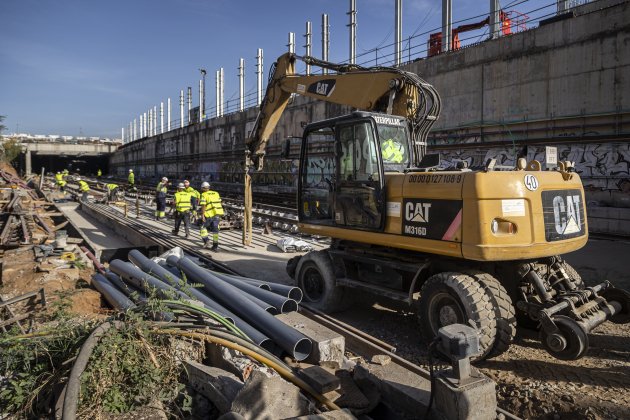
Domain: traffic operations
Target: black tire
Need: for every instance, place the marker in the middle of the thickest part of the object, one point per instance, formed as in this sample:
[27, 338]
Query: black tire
[451, 297]
[315, 275]
[504, 313]
[573, 275]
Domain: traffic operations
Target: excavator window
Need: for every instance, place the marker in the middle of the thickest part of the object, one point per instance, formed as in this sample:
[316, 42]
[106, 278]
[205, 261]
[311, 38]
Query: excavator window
[394, 140]
[318, 171]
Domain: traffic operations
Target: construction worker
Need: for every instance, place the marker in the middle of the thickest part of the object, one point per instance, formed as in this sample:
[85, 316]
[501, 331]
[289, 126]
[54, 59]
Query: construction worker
[59, 180]
[182, 205]
[160, 198]
[195, 197]
[211, 212]
[392, 151]
[131, 179]
[84, 188]
[112, 190]
[99, 173]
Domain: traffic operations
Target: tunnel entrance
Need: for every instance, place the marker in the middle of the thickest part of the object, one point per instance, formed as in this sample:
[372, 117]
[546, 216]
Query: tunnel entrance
[84, 165]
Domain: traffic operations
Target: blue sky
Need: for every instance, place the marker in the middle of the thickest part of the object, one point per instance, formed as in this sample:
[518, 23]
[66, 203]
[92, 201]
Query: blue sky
[89, 67]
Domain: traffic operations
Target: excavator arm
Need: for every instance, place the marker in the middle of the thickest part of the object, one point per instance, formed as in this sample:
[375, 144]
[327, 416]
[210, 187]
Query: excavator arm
[377, 89]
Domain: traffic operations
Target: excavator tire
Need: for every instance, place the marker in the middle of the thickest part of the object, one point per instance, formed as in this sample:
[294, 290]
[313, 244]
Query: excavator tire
[450, 297]
[315, 275]
[575, 276]
[505, 312]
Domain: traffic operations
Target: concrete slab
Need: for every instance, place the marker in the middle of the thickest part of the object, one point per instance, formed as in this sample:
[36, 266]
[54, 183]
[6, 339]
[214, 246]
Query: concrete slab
[99, 234]
[400, 389]
[328, 346]
[217, 385]
[329, 415]
[477, 400]
[320, 379]
[270, 398]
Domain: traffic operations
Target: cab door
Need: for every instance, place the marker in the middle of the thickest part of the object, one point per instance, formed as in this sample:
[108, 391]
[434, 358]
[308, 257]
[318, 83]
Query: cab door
[359, 191]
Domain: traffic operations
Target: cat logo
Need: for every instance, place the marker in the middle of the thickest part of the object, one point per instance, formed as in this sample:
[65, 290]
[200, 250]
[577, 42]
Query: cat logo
[322, 88]
[417, 212]
[567, 214]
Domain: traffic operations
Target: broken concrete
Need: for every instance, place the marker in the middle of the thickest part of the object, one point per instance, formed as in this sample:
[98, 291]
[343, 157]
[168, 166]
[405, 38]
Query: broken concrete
[400, 389]
[270, 398]
[328, 346]
[217, 385]
[475, 400]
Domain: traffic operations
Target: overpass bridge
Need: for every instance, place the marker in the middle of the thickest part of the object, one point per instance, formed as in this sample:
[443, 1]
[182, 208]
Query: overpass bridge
[87, 157]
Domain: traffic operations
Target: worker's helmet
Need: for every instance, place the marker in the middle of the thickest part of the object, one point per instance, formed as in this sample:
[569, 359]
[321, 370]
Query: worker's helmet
[186, 182]
[180, 185]
[130, 170]
[205, 185]
[78, 178]
[164, 179]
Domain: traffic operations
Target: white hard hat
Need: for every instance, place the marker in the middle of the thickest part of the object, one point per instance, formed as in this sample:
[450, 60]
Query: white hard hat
[205, 185]
[78, 178]
[164, 179]
[186, 181]
[181, 185]
[130, 170]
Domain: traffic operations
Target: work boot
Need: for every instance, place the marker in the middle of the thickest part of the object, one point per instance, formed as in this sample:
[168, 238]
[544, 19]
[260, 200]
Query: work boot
[206, 244]
[215, 248]
[175, 232]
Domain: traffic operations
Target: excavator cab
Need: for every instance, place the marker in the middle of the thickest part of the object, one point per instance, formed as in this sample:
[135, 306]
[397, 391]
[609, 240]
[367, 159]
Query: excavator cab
[343, 162]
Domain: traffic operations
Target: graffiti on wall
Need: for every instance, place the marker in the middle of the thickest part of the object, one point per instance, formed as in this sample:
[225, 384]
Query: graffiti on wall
[601, 166]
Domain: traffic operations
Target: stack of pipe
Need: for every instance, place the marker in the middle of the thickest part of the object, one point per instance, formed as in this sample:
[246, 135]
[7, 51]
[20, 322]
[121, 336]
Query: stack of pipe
[248, 303]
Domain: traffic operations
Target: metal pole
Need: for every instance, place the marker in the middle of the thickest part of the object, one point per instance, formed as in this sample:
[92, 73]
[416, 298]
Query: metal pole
[353, 31]
[155, 120]
[200, 118]
[161, 117]
[563, 6]
[325, 42]
[291, 43]
[189, 103]
[29, 155]
[168, 114]
[495, 28]
[308, 36]
[135, 129]
[218, 96]
[259, 75]
[241, 84]
[181, 108]
[221, 90]
[446, 25]
[398, 36]
[144, 122]
[202, 112]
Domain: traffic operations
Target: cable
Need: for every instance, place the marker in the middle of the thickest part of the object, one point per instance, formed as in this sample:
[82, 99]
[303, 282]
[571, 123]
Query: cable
[431, 376]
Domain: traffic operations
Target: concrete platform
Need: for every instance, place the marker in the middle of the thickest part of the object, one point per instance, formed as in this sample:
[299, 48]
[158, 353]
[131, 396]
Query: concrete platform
[262, 260]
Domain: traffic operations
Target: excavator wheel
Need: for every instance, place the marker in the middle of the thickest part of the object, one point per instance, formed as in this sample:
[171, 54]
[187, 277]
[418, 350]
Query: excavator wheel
[315, 275]
[504, 311]
[449, 298]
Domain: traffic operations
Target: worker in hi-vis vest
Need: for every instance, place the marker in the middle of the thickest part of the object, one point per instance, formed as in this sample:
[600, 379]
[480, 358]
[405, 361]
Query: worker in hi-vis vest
[211, 210]
[182, 205]
[160, 198]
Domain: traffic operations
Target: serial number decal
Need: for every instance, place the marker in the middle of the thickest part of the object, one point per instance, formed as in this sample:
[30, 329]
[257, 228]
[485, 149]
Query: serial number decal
[436, 179]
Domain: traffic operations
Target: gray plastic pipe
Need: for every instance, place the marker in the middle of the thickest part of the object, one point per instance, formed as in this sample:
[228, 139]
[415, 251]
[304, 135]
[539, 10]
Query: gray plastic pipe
[287, 338]
[291, 292]
[117, 299]
[151, 267]
[282, 304]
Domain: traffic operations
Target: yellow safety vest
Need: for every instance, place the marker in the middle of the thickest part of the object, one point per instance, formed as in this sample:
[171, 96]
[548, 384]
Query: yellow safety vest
[193, 191]
[161, 188]
[391, 151]
[182, 201]
[83, 186]
[99, 173]
[212, 201]
[131, 178]
[59, 178]
[111, 186]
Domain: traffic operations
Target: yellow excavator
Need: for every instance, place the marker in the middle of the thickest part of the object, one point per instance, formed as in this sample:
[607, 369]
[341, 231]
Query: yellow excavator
[464, 245]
